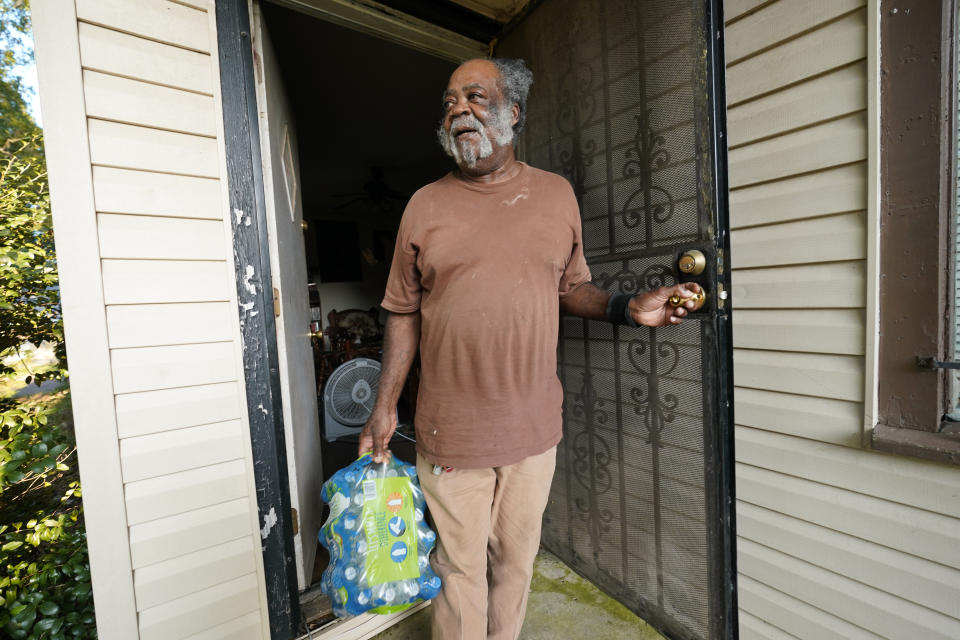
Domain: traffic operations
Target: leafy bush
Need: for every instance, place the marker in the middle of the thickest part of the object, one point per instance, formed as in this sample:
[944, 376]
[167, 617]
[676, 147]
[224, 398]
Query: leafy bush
[45, 583]
[31, 448]
[29, 292]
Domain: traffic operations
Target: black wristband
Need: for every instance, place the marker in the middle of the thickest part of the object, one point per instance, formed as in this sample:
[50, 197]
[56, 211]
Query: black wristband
[618, 311]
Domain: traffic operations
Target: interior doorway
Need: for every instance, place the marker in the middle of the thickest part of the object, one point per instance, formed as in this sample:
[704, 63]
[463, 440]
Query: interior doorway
[347, 127]
[628, 106]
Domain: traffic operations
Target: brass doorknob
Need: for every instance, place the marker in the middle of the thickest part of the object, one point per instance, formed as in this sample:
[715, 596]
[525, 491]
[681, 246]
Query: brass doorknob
[692, 263]
[699, 298]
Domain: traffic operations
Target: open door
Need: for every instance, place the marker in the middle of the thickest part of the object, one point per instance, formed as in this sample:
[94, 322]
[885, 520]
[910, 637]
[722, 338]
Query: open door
[627, 103]
[284, 214]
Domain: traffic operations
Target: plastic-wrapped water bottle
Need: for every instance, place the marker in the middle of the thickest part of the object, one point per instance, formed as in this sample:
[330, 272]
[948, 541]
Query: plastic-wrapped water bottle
[378, 540]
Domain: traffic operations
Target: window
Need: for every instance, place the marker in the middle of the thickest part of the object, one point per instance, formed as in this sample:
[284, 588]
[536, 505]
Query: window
[918, 207]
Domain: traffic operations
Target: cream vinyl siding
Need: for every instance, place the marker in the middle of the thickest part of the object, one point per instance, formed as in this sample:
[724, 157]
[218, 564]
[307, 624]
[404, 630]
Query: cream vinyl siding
[834, 540]
[171, 418]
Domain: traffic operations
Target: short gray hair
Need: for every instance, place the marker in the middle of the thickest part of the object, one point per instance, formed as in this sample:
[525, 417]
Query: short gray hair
[515, 81]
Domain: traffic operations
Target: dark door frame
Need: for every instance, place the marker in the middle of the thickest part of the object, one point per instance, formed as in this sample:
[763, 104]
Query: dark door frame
[721, 500]
[251, 256]
[258, 328]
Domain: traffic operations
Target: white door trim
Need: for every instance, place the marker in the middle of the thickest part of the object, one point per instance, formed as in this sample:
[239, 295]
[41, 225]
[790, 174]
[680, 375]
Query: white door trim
[362, 627]
[384, 22]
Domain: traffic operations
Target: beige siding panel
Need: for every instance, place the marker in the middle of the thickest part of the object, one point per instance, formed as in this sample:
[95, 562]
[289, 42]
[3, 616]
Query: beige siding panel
[246, 627]
[831, 239]
[178, 535]
[736, 8]
[179, 492]
[156, 194]
[199, 611]
[140, 103]
[155, 19]
[834, 541]
[908, 577]
[172, 579]
[148, 237]
[165, 453]
[832, 46]
[827, 376]
[780, 21]
[836, 190]
[152, 368]
[132, 57]
[154, 325]
[145, 114]
[827, 97]
[810, 330]
[157, 281]
[796, 617]
[836, 421]
[907, 529]
[131, 147]
[154, 411]
[862, 605]
[71, 194]
[752, 628]
[836, 285]
[203, 5]
[826, 145]
[917, 483]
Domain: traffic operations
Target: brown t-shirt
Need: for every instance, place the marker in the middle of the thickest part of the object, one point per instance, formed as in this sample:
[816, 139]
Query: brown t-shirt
[486, 266]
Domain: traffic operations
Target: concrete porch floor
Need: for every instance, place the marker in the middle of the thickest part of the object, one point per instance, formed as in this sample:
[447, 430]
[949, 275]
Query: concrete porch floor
[561, 605]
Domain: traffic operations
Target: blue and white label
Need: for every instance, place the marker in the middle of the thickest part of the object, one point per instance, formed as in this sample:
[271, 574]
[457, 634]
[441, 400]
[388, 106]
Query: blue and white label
[398, 553]
[397, 526]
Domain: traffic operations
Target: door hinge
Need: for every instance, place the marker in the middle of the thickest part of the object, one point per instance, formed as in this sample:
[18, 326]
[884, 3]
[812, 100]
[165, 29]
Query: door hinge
[276, 302]
[294, 520]
[932, 363]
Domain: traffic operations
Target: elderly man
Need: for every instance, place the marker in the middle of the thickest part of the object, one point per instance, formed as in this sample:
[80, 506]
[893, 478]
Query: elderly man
[486, 258]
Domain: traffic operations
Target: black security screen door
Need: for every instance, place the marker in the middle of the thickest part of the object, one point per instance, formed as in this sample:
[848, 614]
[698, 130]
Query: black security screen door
[627, 103]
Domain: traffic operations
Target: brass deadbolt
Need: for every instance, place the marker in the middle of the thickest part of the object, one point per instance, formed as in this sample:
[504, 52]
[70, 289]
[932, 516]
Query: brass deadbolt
[699, 298]
[692, 263]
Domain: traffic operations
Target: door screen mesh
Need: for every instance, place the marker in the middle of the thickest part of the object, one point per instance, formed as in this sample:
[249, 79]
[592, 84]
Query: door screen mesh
[620, 107]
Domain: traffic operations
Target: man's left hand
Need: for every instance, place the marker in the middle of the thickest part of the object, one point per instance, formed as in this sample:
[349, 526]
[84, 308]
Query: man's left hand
[653, 308]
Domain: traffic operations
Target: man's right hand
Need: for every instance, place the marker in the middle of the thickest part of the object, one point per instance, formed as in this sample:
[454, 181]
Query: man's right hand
[376, 434]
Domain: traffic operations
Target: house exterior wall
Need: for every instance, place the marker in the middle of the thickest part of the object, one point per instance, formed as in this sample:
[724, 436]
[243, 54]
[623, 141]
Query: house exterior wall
[834, 540]
[129, 91]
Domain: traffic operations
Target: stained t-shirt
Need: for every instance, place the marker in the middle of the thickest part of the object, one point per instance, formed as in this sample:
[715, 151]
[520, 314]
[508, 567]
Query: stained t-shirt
[486, 266]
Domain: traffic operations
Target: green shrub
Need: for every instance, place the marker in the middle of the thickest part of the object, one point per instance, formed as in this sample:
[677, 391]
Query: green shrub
[45, 579]
[32, 447]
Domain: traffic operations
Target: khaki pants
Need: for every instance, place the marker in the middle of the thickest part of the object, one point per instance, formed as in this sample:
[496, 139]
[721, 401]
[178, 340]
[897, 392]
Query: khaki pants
[488, 525]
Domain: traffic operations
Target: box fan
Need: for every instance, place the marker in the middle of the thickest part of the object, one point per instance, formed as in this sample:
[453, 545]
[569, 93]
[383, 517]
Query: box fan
[349, 396]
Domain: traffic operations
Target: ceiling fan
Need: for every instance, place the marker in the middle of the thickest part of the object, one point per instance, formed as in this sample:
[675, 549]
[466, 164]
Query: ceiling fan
[375, 195]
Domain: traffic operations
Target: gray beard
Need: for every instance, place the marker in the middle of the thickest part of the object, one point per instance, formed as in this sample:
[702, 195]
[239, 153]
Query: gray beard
[465, 153]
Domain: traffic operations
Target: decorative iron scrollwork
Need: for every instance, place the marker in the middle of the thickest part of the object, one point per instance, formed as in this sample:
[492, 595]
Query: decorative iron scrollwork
[658, 275]
[576, 101]
[649, 203]
[577, 106]
[591, 463]
[648, 150]
[656, 410]
[627, 280]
